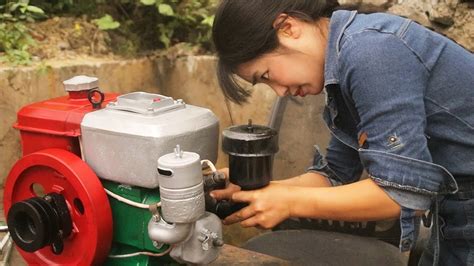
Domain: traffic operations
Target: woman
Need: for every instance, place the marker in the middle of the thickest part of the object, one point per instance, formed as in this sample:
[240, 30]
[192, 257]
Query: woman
[400, 104]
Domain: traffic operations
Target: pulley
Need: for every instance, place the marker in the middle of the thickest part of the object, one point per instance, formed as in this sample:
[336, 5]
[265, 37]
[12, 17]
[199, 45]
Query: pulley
[40, 221]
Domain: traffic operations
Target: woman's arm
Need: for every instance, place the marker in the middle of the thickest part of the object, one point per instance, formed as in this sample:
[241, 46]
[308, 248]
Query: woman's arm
[310, 179]
[360, 201]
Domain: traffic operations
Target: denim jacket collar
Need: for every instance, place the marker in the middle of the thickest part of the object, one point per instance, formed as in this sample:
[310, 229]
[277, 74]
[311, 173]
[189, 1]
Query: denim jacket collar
[339, 22]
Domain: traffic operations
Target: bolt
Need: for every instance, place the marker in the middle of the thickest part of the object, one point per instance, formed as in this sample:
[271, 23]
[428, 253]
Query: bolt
[202, 238]
[218, 242]
[178, 152]
[250, 126]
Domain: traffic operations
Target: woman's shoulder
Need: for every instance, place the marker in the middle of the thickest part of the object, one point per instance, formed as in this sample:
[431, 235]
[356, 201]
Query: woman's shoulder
[381, 22]
[380, 35]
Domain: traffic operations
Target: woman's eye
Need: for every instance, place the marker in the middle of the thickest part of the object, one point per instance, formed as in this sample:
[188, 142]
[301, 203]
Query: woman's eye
[265, 76]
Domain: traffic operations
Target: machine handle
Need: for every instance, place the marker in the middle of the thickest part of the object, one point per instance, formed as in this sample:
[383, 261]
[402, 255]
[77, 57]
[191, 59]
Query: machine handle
[90, 97]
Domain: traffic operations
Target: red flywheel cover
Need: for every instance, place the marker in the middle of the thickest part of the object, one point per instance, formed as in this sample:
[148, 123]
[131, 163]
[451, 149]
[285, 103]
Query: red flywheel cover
[60, 171]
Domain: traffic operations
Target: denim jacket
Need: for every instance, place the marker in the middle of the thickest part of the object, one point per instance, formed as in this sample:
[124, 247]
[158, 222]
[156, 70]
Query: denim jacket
[399, 104]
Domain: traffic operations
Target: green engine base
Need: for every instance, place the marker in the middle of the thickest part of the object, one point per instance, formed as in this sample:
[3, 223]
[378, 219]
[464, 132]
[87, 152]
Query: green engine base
[130, 227]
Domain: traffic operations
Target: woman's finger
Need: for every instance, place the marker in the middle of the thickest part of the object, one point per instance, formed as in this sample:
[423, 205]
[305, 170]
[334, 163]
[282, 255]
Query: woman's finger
[251, 222]
[243, 196]
[226, 193]
[241, 215]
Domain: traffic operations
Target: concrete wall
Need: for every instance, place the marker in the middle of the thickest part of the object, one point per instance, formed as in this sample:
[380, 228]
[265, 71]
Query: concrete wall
[21, 86]
[189, 78]
[193, 80]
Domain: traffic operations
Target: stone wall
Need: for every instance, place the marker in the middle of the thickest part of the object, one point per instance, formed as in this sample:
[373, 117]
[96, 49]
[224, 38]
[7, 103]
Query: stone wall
[453, 18]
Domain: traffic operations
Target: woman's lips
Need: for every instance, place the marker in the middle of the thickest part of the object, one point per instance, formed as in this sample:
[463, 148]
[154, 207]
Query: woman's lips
[299, 92]
[302, 93]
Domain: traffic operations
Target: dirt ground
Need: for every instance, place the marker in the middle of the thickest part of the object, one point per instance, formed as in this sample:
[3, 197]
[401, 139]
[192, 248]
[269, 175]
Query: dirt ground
[67, 38]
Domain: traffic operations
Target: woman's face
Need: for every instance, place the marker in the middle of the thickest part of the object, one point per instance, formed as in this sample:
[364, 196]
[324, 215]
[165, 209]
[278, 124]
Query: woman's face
[296, 67]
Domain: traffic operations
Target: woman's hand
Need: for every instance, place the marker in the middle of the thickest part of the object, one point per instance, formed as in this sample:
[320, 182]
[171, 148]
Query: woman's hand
[268, 206]
[226, 193]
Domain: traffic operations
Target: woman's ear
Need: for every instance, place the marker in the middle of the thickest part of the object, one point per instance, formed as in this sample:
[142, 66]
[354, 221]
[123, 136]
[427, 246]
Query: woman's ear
[287, 26]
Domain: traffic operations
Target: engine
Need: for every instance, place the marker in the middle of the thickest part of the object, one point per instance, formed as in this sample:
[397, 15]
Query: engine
[113, 179]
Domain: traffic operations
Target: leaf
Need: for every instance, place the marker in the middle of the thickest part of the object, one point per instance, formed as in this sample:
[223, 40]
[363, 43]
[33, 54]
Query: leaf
[106, 23]
[35, 9]
[166, 10]
[14, 6]
[208, 20]
[165, 33]
[148, 2]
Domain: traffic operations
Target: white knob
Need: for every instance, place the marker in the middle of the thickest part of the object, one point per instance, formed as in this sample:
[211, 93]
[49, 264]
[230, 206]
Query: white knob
[81, 83]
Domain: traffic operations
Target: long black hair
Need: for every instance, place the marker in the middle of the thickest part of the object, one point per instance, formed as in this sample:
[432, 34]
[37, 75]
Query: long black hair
[244, 30]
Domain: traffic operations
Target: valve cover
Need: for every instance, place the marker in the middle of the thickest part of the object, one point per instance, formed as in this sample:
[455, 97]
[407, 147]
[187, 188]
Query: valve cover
[122, 142]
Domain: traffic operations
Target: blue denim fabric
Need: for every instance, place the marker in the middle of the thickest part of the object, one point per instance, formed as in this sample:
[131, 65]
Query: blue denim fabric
[411, 91]
[456, 230]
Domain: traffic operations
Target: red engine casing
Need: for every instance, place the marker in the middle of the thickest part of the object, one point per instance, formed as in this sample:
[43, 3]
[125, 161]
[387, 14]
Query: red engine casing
[55, 123]
[50, 132]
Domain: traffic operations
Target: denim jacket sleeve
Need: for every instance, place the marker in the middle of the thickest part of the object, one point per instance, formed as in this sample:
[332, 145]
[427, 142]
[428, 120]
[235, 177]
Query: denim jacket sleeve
[386, 81]
[341, 164]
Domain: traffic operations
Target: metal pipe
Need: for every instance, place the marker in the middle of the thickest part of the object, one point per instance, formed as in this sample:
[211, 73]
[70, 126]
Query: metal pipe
[161, 231]
[276, 115]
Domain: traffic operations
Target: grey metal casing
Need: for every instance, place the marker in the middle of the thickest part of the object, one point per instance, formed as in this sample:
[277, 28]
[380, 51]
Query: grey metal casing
[123, 141]
[181, 186]
[185, 170]
[200, 248]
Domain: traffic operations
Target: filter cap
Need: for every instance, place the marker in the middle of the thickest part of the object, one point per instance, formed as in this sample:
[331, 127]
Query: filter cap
[250, 140]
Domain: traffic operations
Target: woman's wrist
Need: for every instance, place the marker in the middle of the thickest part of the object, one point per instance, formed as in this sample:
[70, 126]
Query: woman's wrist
[295, 200]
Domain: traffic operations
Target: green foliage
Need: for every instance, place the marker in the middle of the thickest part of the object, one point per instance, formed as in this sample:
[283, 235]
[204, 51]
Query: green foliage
[52, 6]
[184, 20]
[15, 39]
[14, 43]
[106, 23]
[20, 10]
[137, 25]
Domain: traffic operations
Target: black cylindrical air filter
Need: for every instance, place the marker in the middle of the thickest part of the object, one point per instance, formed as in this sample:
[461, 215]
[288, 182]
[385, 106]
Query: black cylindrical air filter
[251, 149]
